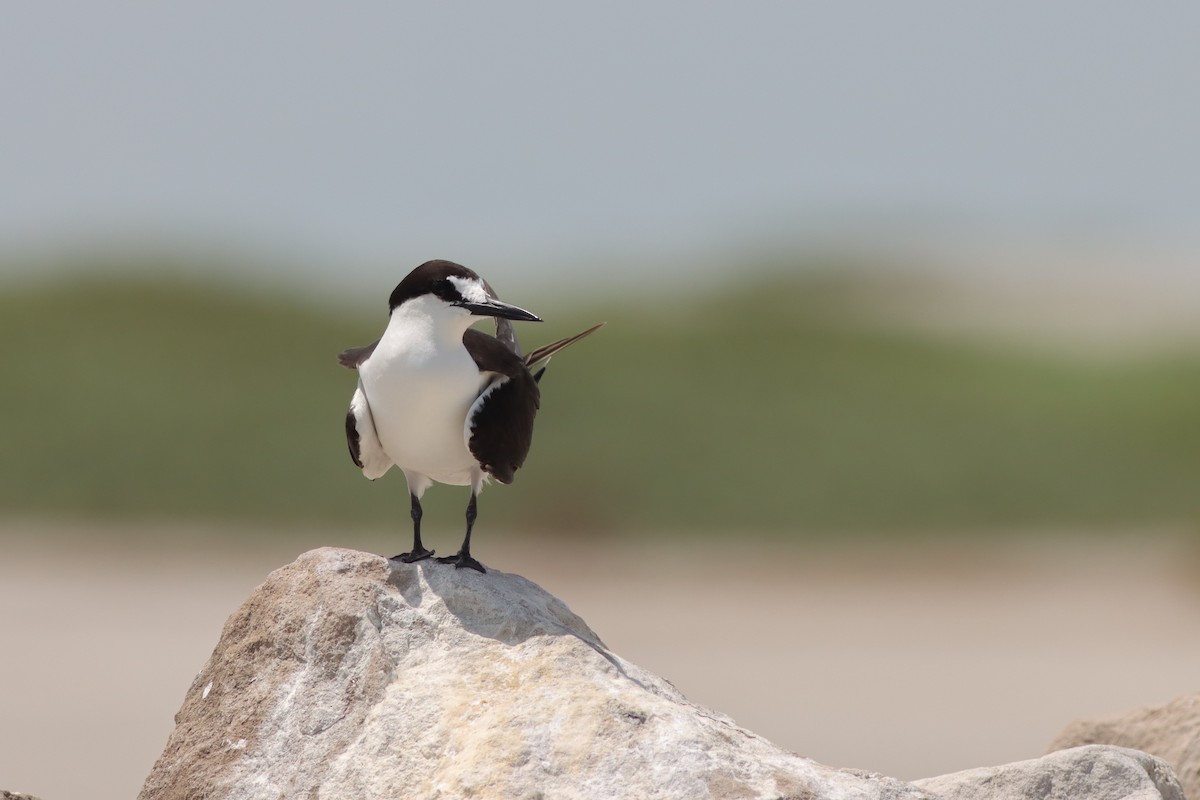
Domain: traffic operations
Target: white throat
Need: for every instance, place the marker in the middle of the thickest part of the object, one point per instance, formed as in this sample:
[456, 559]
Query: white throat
[427, 319]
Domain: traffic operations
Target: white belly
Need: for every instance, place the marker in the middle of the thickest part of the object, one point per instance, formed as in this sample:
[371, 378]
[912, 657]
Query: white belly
[420, 405]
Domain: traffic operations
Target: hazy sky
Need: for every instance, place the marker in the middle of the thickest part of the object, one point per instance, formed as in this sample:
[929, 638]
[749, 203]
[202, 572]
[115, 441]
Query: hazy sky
[497, 132]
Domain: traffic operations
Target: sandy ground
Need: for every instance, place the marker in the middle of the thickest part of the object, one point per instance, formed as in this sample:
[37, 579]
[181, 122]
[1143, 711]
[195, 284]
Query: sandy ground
[910, 661]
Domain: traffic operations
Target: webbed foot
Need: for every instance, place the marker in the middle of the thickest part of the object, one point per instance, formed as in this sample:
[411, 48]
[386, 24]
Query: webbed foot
[460, 560]
[416, 555]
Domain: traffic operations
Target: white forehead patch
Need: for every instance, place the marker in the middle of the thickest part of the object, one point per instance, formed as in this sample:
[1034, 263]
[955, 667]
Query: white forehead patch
[470, 288]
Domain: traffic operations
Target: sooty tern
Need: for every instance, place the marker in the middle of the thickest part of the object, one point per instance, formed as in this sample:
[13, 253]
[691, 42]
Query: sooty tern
[440, 400]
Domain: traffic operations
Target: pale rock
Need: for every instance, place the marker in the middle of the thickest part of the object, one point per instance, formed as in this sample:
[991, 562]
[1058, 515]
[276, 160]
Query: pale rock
[1095, 772]
[1171, 732]
[345, 675]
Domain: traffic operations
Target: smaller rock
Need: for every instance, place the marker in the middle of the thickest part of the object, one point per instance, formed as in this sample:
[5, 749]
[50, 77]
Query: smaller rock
[1095, 772]
[7, 795]
[1171, 732]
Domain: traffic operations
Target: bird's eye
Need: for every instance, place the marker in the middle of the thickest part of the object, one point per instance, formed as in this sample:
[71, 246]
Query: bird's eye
[445, 290]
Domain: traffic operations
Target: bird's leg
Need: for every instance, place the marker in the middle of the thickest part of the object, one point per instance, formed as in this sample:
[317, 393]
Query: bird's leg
[463, 557]
[418, 551]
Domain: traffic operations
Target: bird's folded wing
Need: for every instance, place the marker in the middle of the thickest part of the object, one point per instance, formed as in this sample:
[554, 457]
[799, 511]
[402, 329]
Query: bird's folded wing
[507, 334]
[499, 426]
[365, 449]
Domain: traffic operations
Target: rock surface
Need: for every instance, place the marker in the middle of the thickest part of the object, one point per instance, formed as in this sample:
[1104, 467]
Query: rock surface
[1083, 773]
[1171, 732]
[345, 675]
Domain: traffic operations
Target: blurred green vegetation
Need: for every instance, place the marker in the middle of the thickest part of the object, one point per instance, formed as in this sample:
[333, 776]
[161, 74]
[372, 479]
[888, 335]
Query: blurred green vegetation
[772, 409]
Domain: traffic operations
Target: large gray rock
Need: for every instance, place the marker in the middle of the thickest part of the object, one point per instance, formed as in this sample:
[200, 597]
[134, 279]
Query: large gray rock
[1083, 773]
[1171, 732]
[345, 675]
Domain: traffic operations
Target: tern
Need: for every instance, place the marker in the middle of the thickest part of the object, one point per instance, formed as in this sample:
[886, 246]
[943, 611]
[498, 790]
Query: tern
[444, 402]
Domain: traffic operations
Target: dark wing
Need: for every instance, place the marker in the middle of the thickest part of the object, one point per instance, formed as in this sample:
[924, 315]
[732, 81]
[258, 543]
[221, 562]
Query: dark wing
[507, 334]
[499, 426]
[353, 356]
[505, 331]
[365, 450]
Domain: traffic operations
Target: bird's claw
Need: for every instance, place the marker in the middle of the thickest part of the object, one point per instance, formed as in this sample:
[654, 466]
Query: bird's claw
[460, 560]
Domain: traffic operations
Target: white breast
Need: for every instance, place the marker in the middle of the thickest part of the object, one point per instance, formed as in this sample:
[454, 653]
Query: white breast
[420, 383]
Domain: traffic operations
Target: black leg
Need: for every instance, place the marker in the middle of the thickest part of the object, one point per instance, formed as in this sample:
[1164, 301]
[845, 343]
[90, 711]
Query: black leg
[418, 551]
[463, 557]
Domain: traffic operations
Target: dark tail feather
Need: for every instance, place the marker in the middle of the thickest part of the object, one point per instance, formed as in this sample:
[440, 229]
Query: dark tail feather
[541, 355]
